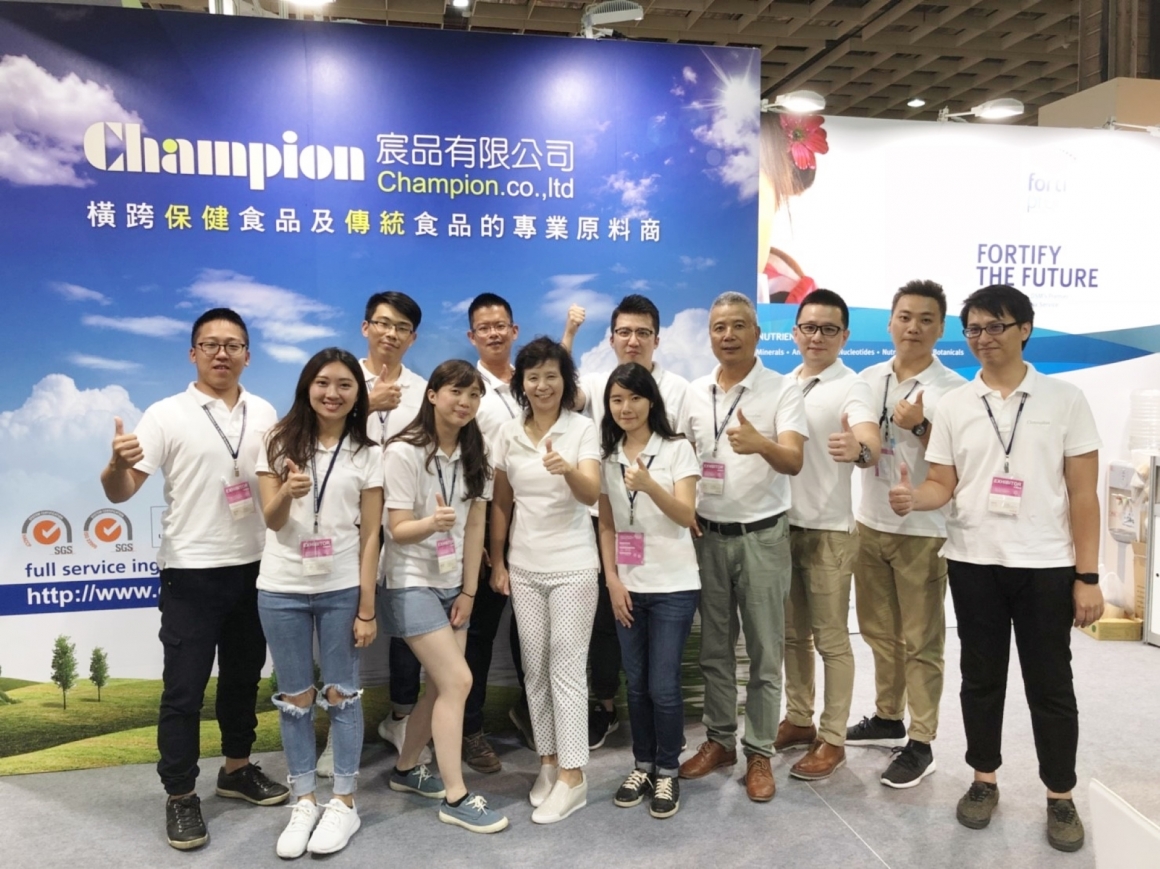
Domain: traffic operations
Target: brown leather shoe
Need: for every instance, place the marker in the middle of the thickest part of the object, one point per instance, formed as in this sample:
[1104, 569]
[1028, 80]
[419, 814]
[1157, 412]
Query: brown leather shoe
[709, 756]
[820, 762]
[759, 783]
[791, 736]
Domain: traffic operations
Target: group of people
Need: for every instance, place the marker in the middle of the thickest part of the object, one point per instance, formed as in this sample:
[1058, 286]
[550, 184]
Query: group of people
[621, 505]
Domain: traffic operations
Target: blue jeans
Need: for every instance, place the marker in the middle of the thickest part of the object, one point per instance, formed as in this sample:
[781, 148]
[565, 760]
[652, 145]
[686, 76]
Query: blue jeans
[651, 654]
[290, 621]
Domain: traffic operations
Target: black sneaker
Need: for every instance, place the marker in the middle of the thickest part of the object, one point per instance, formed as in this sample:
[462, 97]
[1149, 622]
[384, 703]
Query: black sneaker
[601, 722]
[910, 765]
[184, 826]
[666, 797]
[877, 731]
[977, 805]
[252, 785]
[1064, 828]
[636, 787]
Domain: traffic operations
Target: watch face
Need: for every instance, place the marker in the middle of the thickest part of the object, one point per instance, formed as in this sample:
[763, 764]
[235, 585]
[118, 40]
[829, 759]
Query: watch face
[920, 429]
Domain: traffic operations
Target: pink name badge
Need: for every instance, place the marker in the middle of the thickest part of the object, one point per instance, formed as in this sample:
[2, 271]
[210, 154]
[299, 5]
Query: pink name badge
[629, 547]
[712, 478]
[317, 555]
[884, 470]
[1006, 495]
[240, 499]
[445, 550]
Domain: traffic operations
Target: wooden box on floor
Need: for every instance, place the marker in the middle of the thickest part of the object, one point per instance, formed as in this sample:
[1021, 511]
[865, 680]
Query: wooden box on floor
[1116, 629]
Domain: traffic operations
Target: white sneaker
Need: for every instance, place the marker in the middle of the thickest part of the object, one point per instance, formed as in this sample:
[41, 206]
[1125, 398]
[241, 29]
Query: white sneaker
[339, 822]
[562, 802]
[303, 816]
[543, 784]
[325, 765]
[394, 731]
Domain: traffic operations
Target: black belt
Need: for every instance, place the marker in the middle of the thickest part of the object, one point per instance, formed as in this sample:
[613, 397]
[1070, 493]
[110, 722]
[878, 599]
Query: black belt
[736, 529]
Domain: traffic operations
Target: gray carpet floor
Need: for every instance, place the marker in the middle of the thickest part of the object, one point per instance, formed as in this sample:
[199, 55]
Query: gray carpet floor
[115, 817]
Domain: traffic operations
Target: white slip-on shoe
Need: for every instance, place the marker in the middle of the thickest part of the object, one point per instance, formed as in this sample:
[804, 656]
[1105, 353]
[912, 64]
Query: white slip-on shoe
[339, 822]
[543, 784]
[394, 730]
[562, 802]
[303, 817]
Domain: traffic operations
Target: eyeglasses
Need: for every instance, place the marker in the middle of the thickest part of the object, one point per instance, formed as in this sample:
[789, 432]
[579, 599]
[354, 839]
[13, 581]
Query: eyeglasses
[489, 328]
[992, 328]
[641, 334]
[827, 329]
[211, 348]
[384, 326]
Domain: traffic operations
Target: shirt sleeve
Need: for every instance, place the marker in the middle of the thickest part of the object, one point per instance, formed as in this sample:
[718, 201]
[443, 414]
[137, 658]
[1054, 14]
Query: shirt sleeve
[262, 463]
[684, 461]
[791, 410]
[152, 440]
[593, 386]
[402, 465]
[501, 443]
[605, 470]
[859, 403]
[940, 448]
[372, 467]
[1081, 435]
[589, 442]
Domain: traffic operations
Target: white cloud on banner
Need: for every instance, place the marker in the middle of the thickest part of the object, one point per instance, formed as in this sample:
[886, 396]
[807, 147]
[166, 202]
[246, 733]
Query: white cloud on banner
[697, 263]
[634, 195]
[287, 353]
[43, 119]
[684, 347]
[150, 327]
[733, 130]
[58, 417]
[76, 293]
[689, 74]
[101, 363]
[569, 290]
[459, 307]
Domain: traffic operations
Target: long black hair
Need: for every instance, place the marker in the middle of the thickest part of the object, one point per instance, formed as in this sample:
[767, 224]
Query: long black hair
[420, 432]
[295, 436]
[535, 353]
[638, 380]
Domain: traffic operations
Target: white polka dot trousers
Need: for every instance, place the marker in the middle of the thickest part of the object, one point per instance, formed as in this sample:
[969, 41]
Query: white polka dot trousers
[554, 612]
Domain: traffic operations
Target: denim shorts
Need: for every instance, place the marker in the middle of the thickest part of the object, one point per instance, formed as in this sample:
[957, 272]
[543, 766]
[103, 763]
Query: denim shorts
[411, 612]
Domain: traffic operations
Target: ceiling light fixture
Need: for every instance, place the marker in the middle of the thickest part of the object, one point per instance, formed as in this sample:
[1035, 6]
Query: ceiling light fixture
[608, 12]
[991, 110]
[916, 102]
[796, 103]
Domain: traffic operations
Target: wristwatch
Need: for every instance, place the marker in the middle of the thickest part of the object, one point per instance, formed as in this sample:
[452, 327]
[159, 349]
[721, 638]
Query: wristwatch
[922, 428]
[1088, 578]
[863, 455]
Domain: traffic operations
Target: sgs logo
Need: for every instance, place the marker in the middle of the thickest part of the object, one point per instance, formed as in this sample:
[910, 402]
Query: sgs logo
[48, 528]
[111, 528]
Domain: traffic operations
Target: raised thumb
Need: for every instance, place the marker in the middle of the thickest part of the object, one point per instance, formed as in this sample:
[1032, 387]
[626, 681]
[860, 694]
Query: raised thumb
[439, 501]
[741, 416]
[548, 445]
[291, 467]
[918, 397]
[640, 463]
[118, 426]
[904, 475]
[845, 422]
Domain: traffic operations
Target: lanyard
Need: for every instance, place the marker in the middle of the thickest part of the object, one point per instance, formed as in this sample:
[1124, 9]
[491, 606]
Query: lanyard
[506, 406]
[1011, 441]
[232, 451]
[809, 386]
[384, 415]
[632, 495]
[319, 491]
[884, 420]
[718, 429]
[455, 474]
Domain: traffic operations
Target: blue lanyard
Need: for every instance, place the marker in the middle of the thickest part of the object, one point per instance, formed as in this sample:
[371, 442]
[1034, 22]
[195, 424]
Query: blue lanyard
[232, 451]
[455, 474]
[884, 420]
[319, 491]
[718, 429]
[1011, 441]
[632, 495]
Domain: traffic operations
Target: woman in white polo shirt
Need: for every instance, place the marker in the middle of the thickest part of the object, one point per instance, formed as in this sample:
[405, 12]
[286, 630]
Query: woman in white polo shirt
[547, 466]
[648, 493]
[438, 482]
[321, 483]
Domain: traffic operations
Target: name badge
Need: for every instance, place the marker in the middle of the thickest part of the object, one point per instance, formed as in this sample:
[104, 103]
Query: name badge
[712, 478]
[445, 550]
[317, 555]
[1006, 495]
[884, 470]
[629, 547]
[240, 499]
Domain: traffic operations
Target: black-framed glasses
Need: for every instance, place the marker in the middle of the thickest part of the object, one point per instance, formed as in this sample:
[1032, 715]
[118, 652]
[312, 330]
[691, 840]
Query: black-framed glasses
[211, 348]
[489, 328]
[993, 328]
[384, 326]
[827, 329]
[626, 333]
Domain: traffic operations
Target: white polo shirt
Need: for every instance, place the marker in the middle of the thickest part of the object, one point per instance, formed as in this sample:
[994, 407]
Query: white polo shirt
[935, 381]
[496, 407]
[382, 425]
[411, 485]
[339, 515]
[670, 562]
[773, 403]
[822, 499]
[551, 531]
[177, 436]
[1056, 423]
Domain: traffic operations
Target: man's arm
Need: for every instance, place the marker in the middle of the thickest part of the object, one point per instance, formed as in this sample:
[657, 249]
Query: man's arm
[1080, 475]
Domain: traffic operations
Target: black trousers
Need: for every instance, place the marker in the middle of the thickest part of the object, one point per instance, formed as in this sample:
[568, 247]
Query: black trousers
[404, 670]
[481, 633]
[206, 613]
[604, 647]
[990, 600]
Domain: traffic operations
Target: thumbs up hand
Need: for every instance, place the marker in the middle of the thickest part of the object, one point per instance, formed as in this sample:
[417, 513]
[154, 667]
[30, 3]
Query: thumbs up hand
[902, 495]
[908, 414]
[443, 519]
[636, 477]
[127, 450]
[743, 437]
[554, 463]
[384, 395]
[297, 483]
[843, 446]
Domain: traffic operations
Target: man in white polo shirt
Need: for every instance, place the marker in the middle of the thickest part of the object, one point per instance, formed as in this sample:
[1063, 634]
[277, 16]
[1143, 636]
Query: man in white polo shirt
[843, 433]
[205, 441]
[748, 426]
[1018, 455]
[899, 575]
[634, 337]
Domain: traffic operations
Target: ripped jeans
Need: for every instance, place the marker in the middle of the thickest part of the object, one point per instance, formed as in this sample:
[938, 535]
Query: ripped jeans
[290, 622]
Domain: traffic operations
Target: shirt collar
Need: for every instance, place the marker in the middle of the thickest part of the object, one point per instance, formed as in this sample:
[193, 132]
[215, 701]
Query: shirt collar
[1026, 385]
[747, 381]
[651, 449]
[204, 399]
[493, 383]
[454, 457]
[372, 376]
[834, 371]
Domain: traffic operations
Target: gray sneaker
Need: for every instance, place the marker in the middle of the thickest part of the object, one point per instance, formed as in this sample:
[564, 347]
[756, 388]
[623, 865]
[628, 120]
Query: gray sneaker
[418, 780]
[473, 814]
[1064, 828]
[977, 804]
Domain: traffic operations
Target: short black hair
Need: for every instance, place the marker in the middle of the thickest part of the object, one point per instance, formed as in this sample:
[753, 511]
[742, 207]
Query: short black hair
[227, 314]
[487, 300]
[637, 304]
[929, 289]
[1000, 299]
[401, 302]
[536, 352]
[828, 298]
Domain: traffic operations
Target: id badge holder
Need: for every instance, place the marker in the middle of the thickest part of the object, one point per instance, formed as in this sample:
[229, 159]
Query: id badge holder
[629, 547]
[240, 499]
[445, 550]
[317, 555]
[712, 478]
[1006, 495]
[884, 470]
